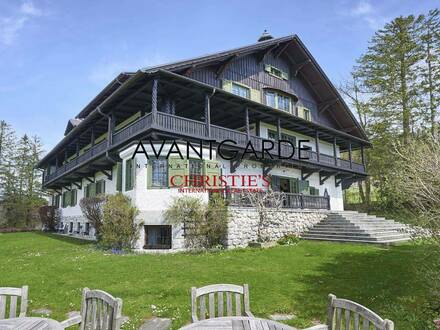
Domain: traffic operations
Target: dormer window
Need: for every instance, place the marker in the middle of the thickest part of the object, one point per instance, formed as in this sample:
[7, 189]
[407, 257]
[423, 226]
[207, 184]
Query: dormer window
[274, 71]
[278, 100]
[240, 90]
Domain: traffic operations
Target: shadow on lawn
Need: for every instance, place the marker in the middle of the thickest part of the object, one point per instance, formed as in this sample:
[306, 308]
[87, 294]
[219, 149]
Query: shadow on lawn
[384, 280]
[65, 239]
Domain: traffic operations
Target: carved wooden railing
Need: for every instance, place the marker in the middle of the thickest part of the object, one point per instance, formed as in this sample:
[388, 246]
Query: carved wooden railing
[196, 129]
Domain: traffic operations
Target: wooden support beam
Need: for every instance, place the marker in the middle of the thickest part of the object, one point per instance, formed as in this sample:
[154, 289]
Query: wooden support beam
[279, 128]
[234, 164]
[282, 49]
[262, 55]
[305, 174]
[257, 127]
[154, 91]
[338, 181]
[348, 129]
[208, 115]
[335, 155]
[350, 154]
[267, 168]
[317, 145]
[363, 155]
[248, 132]
[67, 188]
[78, 185]
[92, 180]
[298, 67]
[108, 174]
[222, 67]
[323, 176]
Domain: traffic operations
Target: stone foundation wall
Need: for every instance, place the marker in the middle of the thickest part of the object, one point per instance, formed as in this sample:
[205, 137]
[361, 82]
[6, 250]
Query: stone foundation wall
[244, 222]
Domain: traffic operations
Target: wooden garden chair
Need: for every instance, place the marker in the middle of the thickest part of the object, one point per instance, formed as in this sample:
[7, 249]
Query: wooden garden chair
[347, 314]
[215, 294]
[13, 294]
[99, 310]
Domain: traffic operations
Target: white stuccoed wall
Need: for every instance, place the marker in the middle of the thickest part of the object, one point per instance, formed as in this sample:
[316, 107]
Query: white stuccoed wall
[152, 202]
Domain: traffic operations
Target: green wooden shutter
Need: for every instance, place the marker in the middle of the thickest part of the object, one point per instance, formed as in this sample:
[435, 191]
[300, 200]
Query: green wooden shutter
[255, 95]
[119, 176]
[129, 174]
[267, 67]
[211, 169]
[304, 187]
[275, 183]
[294, 185]
[227, 85]
[92, 189]
[149, 174]
[284, 75]
[177, 166]
[73, 197]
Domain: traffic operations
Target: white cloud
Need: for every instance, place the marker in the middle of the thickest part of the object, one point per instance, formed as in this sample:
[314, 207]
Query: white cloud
[29, 9]
[364, 11]
[362, 8]
[10, 26]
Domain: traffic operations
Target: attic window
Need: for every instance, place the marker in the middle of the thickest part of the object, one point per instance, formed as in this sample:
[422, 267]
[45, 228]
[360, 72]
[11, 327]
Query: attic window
[276, 72]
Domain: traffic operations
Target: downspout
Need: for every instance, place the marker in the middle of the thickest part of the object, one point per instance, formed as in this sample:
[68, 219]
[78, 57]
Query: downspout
[107, 155]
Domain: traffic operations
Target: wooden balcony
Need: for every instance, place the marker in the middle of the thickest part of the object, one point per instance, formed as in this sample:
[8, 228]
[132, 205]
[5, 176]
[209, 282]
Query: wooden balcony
[187, 128]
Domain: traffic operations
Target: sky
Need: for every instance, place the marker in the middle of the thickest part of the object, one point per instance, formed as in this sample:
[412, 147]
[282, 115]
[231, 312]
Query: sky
[56, 55]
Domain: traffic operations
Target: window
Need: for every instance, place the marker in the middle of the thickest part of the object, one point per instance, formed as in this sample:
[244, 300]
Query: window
[277, 100]
[283, 102]
[87, 229]
[306, 114]
[66, 199]
[273, 135]
[270, 99]
[129, 174]
[90, 190]
[100, 187]
[56, 201]
[240, 90]
[195, 172]
[276, 72]
[159, 173]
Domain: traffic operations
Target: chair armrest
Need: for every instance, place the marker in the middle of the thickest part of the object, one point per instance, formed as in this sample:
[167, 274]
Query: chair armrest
[120, 321]
[71, 321]
[318, 327]
[249, 314]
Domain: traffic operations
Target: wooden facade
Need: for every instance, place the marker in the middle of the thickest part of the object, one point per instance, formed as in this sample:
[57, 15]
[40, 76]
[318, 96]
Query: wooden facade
[188, 100]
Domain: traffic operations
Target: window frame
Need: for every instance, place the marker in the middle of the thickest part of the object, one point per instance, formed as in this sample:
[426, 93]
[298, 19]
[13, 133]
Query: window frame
[241, 86]
[277, 95]
[162, 185]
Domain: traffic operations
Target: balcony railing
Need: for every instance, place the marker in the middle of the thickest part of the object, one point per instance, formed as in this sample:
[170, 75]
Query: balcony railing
[289, 200]
[196, 129]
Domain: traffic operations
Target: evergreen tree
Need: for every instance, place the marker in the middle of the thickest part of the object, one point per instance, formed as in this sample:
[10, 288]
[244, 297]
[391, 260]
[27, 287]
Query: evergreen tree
[389, 72]
[430, 68]
[7, 150]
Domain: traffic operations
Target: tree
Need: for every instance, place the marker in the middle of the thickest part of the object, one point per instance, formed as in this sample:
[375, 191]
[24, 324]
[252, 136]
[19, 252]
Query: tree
[430, 68]
[389, 71]
[7, 144]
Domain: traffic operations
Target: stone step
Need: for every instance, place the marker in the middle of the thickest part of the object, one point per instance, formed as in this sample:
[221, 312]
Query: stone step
[350, 226]
[344, 240]
[353, 233]
[366, 238]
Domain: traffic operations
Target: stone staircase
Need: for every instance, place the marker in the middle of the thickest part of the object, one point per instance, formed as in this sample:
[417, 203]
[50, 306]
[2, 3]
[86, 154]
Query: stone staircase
[351, 226]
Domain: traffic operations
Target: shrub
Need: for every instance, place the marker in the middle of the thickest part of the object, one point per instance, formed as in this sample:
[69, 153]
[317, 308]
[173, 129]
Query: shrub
[205, 225]
[91, 207]
[119, 229]
[49, 217]
[290, 239]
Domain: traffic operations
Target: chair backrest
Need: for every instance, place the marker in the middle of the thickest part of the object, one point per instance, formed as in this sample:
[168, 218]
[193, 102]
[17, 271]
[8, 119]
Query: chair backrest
[100, 310]
[347, 314]
[220, 299]
[14, 294]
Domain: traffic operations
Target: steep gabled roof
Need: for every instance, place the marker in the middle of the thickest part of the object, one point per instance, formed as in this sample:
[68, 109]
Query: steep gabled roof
[306, 65]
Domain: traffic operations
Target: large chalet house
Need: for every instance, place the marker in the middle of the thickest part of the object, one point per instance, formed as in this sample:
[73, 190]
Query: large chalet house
[273, 89]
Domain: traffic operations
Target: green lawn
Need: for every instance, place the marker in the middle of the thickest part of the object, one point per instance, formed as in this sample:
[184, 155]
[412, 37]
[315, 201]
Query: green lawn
[294, 279]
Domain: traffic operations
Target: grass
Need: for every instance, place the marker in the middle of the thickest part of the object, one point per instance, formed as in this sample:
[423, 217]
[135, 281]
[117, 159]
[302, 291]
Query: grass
[287, 279]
